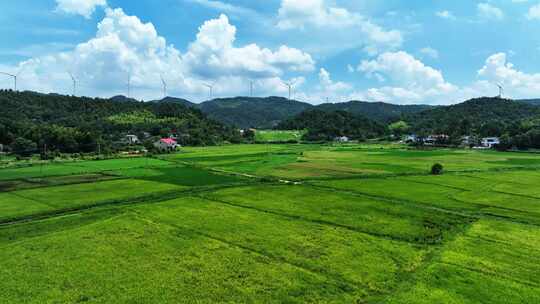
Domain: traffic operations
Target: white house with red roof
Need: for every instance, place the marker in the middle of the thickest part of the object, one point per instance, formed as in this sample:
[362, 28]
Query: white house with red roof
[166, 144]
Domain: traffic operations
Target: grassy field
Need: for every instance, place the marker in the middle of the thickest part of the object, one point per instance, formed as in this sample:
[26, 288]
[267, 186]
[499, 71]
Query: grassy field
[278, 136]
[271, 223]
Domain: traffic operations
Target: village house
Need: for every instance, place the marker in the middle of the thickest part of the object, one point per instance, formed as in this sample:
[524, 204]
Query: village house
[132, 139]
[342, 139]
[410, 139]
[490, 142]
[166, 144]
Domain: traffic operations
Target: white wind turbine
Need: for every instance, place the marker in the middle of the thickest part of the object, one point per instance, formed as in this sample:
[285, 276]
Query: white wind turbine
[74, 80]
[14, 76]
[501, 90]
[164, 84]
[210, 87]
[290, 86]
[251, 83]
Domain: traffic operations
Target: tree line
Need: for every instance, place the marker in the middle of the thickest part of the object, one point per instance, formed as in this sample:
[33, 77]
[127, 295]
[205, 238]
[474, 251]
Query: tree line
[32, 122]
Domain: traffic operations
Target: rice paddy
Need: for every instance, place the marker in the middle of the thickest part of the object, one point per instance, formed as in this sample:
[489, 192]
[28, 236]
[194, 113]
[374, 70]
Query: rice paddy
[290, 223]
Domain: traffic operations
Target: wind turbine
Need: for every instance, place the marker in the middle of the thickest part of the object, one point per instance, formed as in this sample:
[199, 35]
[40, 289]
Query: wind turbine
[289, 85]
[164, 86]
[501, 90]
[211, 88]
[13, 76]
[251, 88]
[74, 83]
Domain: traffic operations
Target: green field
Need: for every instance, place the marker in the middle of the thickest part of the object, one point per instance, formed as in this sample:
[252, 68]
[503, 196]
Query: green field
[278, 136]
[290, 223]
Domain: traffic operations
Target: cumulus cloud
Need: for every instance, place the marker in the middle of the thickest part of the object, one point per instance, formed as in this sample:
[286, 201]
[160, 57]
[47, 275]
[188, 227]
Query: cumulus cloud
[79, 7]
[124, 44]
[404, 69]
[517, 83]
[330, 86]
[488, 11]
[329, 21]
[534, 12]
[409, 80]
[214, 54]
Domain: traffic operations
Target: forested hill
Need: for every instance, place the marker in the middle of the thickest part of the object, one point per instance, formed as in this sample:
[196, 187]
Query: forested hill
[248, 112]
[74, 124]
[181, 101]
[252, 112]
[530, 101]
[484, 116]
[379, 111]
[326, 125]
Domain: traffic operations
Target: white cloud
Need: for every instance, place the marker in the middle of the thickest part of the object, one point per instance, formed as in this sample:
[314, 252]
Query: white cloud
[328, 85]
[517, 83]
[411, 81]
[445, 15]
[488, 11]
[404, 69]
[123, 44]
[331, 22]
[534, 12]
[430, 52]
[79, 7]
[213, 54]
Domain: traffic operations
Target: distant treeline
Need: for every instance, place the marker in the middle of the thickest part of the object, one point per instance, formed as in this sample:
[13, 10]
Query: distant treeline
[326, 126]
[516, 123]
[31, 122]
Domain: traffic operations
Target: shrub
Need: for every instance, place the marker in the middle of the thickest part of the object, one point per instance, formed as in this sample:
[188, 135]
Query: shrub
[437, 169]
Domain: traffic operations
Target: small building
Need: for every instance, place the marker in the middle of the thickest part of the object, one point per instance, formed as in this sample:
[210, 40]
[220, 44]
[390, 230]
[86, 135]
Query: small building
[166, 144]
[410, 139]
[342, 139]
[436, 139]
[132, 139]
[490, 142]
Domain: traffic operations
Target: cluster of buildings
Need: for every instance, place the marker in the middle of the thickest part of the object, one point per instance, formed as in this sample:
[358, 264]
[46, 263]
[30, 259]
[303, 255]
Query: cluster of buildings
[163, 144]
[476, 143]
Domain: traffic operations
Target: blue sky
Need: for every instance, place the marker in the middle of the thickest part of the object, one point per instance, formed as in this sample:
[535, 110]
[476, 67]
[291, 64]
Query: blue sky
[415, 51]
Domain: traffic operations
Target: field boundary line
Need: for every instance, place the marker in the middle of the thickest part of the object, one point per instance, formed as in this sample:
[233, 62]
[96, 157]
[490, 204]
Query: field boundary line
[388, 199]
[332, 276]
[314, 221]
[145, 199]
[24, 239]
[434, 255]
[491, 274]
[40, 186]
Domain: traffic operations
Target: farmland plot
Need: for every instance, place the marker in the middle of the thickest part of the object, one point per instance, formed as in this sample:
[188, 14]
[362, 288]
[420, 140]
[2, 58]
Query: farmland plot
[272, 224]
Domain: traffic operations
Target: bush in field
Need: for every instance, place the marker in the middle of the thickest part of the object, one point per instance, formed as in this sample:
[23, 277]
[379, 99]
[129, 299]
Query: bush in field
[437, 169]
